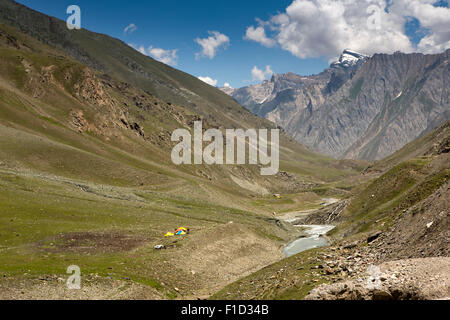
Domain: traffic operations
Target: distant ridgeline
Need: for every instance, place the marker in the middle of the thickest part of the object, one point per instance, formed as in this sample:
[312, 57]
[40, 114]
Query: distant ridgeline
[361, 107]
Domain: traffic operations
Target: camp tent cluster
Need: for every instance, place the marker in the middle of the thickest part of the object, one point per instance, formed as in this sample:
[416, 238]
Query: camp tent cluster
[178, 232]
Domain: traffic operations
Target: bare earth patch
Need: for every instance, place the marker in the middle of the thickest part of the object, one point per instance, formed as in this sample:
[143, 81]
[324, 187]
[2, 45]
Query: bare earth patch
[92, 288]
[218, 256]
[92, 242]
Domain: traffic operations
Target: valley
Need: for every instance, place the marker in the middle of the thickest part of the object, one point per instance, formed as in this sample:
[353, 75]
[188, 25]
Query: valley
[357, 177]
[397, 220]
[87, 180]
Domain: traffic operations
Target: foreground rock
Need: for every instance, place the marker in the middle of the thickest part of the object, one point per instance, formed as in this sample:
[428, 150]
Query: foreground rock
[412, 279]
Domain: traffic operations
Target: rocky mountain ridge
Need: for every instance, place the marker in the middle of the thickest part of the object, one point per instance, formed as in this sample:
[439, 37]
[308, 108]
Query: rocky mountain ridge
[359, 108]
[349, 58]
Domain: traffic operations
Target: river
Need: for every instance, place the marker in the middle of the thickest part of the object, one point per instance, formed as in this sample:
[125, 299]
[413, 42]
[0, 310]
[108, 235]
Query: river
[315, 239]
[315, 233]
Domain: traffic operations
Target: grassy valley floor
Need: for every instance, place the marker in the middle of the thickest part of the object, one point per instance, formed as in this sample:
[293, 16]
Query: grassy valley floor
[49, 223]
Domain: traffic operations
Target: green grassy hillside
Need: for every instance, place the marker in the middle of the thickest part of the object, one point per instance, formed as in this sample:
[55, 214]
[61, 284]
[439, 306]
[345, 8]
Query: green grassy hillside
[86, 175]
[95, 127]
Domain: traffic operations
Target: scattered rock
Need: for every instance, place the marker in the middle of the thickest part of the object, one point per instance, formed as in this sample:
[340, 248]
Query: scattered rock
[373, 237]
[412, 279]
[351, 245]
[381, 295]
[329, 271]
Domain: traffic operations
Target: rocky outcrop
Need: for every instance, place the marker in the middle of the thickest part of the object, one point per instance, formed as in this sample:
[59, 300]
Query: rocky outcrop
[413, 279]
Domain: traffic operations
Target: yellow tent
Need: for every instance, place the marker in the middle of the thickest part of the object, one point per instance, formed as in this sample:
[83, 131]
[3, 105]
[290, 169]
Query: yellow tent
[169, 234]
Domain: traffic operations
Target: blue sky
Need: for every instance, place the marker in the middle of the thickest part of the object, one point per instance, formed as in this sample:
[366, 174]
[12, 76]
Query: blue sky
[174, 25]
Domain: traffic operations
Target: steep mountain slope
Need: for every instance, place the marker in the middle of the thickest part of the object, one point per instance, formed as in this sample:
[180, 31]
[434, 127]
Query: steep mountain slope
[392, 100]
[86, 175]
[409, 202]
[60, 117]
[118, 60]
[172, 87]
[124, 64]
[398, 184]
[359, 108]
[282, 98]
[434, 143]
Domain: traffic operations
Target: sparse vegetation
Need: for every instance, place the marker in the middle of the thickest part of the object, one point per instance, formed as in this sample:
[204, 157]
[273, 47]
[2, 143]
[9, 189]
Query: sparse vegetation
[85, 157]
[86, 178]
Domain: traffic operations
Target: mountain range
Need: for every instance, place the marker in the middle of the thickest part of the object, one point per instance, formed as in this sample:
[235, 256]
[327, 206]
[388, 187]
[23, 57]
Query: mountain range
[360, 107]
[86, 176]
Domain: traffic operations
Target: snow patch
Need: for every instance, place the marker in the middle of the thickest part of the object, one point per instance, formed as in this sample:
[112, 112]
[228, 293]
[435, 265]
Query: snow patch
[348, 59]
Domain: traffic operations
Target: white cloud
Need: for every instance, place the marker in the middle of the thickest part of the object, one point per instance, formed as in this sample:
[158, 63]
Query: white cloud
[259, 35]
[323, 28]
[169, 57]
[141, 49]
[260, 75]
[209, 81]
[227, 85]
[431, 44]
[435, 19]
[212, 44]
[165, 56]
[130, 28]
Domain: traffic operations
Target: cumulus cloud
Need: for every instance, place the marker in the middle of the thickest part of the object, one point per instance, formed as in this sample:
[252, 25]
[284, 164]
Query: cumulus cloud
[165, 56]
[209, 81]
[260, 75]
[141, 49]
[323, 28]
[227, 85]
[130, 28]
[435, 19]
[168, 57]
[259, 35]
[212, 44]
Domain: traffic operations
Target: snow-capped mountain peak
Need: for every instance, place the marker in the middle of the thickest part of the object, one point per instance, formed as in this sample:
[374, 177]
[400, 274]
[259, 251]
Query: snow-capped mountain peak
[349, 58]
